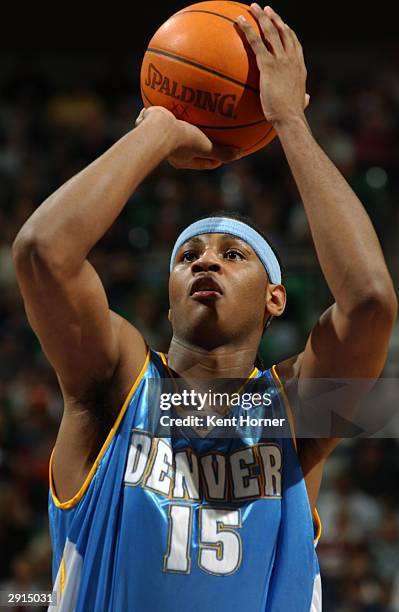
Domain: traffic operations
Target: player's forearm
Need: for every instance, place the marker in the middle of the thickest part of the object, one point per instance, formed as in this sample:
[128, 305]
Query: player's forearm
[346, 243]
[70, 222]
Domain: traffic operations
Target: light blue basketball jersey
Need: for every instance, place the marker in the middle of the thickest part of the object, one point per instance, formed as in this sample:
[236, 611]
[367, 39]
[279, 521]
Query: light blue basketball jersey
[174, 524]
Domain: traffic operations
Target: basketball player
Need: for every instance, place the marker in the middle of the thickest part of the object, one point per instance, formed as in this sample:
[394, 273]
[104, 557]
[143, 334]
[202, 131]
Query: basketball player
[160, 524]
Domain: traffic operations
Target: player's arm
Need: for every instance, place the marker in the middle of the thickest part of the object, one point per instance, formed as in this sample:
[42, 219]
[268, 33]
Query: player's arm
[64, 298]
[351, 338]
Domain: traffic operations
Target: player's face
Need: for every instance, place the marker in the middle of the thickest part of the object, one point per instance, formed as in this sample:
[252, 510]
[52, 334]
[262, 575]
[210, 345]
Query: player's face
[217, 291]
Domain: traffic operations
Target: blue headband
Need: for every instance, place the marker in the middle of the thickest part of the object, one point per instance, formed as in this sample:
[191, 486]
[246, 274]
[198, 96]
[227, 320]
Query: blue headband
[223, 225]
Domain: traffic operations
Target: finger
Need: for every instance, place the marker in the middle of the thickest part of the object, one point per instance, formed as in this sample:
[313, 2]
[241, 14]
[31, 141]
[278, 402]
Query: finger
[268, 28]
[283, 28]
[197, 163]
[254, 40]
[202, 163]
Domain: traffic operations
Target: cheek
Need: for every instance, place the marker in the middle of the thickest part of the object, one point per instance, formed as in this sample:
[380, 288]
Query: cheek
[254, 293]
[176, 291]
[255, 286]
[247, 292]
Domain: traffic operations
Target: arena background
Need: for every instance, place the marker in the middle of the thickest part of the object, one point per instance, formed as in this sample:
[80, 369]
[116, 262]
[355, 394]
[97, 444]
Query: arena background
[68, 89]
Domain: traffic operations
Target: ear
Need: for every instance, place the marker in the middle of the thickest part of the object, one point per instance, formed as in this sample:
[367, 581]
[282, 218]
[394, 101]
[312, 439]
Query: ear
[276, 299]
[170, 315]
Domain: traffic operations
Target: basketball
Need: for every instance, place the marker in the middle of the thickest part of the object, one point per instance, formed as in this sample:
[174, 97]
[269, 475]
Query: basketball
[199, 66]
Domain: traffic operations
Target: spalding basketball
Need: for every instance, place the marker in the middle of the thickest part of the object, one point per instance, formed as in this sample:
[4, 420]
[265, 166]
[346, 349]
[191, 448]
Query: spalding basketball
[200, 66]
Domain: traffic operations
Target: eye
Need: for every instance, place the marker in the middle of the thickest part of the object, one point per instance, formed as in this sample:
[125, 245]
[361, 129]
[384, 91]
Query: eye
[188, 256]
[234, 255]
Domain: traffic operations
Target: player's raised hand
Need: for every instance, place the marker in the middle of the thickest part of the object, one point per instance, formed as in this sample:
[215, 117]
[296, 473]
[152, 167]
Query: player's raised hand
[281, 64]
[192, 150]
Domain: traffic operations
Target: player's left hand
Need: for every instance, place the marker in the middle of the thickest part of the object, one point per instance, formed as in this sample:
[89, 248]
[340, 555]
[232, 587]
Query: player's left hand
[192, 148]
[281, 64]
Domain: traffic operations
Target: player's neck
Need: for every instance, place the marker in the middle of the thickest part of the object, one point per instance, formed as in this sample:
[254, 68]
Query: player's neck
[222, 362]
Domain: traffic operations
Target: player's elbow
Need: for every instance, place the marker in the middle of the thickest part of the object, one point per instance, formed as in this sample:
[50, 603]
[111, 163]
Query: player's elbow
[378, 302]
[32, 250]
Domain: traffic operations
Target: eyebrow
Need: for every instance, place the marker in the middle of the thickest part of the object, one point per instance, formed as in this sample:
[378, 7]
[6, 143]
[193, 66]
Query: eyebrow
[196, 240]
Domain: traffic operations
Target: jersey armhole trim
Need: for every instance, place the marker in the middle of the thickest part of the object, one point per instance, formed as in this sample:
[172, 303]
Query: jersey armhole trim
[70, 503]
[315, 515]
[163, 357]
[318, 526]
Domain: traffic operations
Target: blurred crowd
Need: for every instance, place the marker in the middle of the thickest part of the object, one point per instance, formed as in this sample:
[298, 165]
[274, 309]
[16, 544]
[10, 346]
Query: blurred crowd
[47, 134]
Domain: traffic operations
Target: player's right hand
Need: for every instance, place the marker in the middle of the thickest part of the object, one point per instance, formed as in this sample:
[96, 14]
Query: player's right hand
[192, 150]
[281, 64]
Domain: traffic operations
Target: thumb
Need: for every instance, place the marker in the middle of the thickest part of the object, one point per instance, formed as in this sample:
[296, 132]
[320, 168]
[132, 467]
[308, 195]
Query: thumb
[196, 163]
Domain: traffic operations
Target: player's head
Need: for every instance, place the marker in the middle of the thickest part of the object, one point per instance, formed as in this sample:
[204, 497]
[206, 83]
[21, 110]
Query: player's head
[225, 252]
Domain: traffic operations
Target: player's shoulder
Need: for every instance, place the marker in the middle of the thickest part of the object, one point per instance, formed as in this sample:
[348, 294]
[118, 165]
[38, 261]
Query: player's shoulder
[127, 334]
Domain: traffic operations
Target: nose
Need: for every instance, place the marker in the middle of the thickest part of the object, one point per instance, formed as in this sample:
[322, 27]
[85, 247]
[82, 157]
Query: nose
[207, 261]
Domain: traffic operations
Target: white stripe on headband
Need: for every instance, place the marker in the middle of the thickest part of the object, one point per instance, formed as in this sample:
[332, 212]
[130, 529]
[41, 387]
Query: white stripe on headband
[224, 225]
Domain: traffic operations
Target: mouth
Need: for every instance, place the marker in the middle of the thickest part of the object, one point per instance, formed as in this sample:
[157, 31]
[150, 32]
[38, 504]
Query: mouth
[205, 288]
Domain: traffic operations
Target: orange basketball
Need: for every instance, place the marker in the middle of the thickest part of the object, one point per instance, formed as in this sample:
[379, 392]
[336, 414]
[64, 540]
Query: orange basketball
[200, 66]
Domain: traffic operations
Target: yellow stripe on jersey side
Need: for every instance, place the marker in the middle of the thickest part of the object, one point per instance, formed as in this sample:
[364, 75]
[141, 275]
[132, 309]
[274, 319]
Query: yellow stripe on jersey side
[76, 498]
[315, 515]
[62, 575]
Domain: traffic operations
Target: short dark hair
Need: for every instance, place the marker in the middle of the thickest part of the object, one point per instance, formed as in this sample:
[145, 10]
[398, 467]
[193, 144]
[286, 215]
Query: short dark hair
[248, 221]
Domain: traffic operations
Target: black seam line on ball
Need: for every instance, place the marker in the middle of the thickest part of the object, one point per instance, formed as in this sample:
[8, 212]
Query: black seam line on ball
[221, 127]
[219, 74]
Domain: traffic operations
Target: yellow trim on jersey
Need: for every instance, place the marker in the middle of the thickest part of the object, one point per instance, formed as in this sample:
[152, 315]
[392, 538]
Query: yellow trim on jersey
[76, 498]
[318, 524]
[252, 375]
[315, 514]
[164, 360]
[62, 575]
